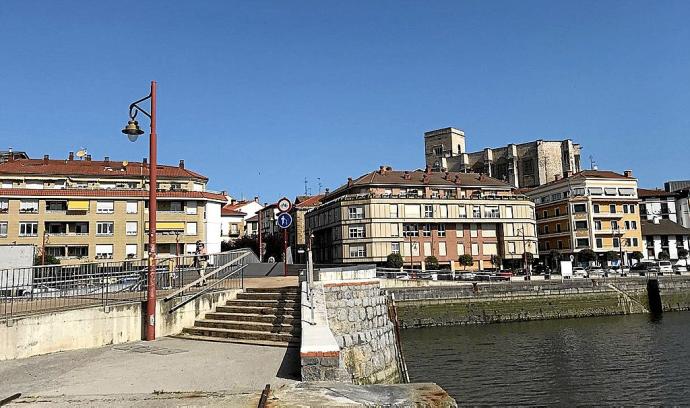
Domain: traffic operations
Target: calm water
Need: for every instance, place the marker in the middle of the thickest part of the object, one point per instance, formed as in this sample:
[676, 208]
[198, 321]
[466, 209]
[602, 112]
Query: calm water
[620, 360]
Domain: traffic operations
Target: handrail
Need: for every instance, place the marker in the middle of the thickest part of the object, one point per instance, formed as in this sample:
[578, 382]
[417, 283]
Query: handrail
[206, 289]
[206, 276]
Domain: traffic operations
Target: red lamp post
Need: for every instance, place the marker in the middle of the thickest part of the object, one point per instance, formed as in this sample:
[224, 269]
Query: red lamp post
[133, 131]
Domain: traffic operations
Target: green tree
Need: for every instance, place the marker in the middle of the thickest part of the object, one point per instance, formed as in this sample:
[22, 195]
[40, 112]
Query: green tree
[431, 262]
[664, 256]
[611, 256]
[466, 260]
[554, 259]
[586, 255]
[49, 260]
[496, 261]
[683, 254]
[394, 261]
[637, 255]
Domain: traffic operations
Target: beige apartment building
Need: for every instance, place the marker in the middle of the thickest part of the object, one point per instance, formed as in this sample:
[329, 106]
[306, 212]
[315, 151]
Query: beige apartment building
[592, 209]
[423, 213]
[84, 210]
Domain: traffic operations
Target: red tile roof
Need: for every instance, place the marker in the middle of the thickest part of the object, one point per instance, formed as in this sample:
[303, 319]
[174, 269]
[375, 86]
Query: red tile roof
[107, 193]
[232, 213]
[600, 174]
[644, 193]
[307, 201]
[236, 205]
[43, 167]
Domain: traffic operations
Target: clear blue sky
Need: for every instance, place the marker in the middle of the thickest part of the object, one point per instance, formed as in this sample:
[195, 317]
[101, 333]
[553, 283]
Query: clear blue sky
[258, 95]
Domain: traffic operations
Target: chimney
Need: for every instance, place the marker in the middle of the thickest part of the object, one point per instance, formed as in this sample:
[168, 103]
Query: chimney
[628, 173]
[106, 159]
[427, 169]
[88, 157]
[382, 169]
[349, 181]
[256, 199]
[182, 164]
[224, 193]
[233, 202]
[558, 177]
[327, 191]
[145, 161]
[71, 156]
[46, 158]
[568, 173]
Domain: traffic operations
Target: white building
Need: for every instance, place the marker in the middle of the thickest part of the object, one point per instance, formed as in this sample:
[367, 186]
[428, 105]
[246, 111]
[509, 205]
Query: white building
[235, 216]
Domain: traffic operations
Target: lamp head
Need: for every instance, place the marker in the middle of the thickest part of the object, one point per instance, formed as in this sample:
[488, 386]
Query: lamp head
[132, 130]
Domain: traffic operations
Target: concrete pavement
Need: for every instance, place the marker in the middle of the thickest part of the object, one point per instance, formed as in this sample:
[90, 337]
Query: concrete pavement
[167, 365]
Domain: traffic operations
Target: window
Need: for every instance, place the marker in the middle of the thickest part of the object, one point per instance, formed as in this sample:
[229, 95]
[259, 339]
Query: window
[395, 232]
[78, 251]
[547, 245]
[460, 249]
[410, 230]
[438, 150]
[596, 191]
[556, 196]
[462, 211]
[558, 227]
[394, 210]
[428, 211]
[625, 208]
[131, 228]
[459, 230]
[104, 251]
[560, 244]
[614, 225]
[491, 211]
[105, 207]
[580, 225]
[488, 230]
[442, 249]
[476, 211]
[616, 243]
[610, 191]
[557, 212]
[634, 242]
[28, 229]
[582, 242]
[509, 211]
[4, 206]
[104, 228]
[191, 207]
[612, 208]
[357, 251]
[427, 249]
[34, 184]
[132, 207]
[191, 228]
[356, 213]
[444, 211]
[426, 230]
[595, 208]
[578, 191]
[190, 249]
[441, 230]
[545, 214]
[3, 229]
[56, 205]
[632, 208]
[546, 229]
[356, 231]
[597, 225]
[28, 206]
[395, 247]
[6, 183]
[473, 230]
[626, 191]
[579, 208]
[475, 249]
[511, 247]
[599, 243]
[131, 251]
[490, 249]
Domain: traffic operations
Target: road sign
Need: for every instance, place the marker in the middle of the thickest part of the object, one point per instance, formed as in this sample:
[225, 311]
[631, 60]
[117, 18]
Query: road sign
[284, 220]
[284, 205]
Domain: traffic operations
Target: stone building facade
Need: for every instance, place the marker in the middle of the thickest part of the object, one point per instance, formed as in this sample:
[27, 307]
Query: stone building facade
[419, 214]
[522, 165]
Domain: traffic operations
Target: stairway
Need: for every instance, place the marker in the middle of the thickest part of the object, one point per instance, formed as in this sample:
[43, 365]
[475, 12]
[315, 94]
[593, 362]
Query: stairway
[269, 317]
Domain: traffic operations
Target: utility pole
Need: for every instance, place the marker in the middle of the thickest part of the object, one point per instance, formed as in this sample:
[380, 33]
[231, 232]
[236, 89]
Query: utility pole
[259, 231]
[305, 186]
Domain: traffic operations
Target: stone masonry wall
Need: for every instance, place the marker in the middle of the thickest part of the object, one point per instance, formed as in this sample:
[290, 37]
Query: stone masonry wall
[358, 318]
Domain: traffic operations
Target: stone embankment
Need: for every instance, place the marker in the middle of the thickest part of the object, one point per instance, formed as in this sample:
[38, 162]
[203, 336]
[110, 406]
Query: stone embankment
[458, 304]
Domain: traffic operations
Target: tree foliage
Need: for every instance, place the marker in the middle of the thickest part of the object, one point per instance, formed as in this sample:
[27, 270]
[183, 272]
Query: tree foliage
[431, 262]
[466, 260]
[242, 242]
[682, 253]
[496, 261]
[586, 255]
[49, 260]
[637, 255]
[394, 261]
[664, 256]
[611, 256]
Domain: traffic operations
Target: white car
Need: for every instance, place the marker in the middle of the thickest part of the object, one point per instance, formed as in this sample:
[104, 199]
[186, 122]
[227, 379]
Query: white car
[665, 267]
[468, 276]
[579, 272]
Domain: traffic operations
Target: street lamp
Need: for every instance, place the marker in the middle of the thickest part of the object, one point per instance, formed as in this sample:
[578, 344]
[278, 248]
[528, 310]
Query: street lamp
[133, 132]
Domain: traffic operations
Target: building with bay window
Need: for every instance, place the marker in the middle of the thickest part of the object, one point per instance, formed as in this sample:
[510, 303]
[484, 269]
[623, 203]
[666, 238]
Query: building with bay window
[84, 210]
[422, 213]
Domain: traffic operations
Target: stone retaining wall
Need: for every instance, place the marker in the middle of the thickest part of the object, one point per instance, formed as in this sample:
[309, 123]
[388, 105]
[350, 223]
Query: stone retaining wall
[358, 318]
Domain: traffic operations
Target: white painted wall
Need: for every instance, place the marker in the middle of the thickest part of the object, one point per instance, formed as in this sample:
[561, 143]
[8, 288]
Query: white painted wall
[213, 226]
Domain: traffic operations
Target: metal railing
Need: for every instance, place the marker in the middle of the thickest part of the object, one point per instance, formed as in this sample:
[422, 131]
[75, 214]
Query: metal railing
[41, 289]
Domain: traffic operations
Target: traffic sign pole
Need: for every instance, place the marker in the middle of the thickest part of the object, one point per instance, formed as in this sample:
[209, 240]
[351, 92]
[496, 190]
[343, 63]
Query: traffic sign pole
[285, 252]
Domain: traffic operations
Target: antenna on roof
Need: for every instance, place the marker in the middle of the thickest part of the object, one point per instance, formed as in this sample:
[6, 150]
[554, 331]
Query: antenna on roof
[320, 185]
[592, 163]
[81, 153]
[305, 186]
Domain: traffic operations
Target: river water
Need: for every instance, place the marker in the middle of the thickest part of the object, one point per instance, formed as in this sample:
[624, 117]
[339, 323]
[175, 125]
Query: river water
[618, 360]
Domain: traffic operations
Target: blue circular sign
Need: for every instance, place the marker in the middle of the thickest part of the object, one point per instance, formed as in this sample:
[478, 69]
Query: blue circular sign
[284, 220]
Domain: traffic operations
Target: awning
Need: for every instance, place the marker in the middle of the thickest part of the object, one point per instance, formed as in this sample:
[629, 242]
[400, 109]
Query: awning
[77, 205]
[168, 226]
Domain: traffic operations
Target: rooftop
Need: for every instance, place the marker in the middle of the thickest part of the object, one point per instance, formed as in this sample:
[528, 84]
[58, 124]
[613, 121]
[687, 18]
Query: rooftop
[664, 227]
[104, 168]
[308, 201]
[647, 193]
[108, 193]
[589, 174]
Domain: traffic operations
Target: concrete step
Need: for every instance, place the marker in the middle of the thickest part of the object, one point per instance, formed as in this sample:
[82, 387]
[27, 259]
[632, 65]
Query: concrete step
[263, 303]
[282, 311]
[240, 334]
[269, 296]
[267, 343]
[249, 317]
[286, 289]
[249, 326]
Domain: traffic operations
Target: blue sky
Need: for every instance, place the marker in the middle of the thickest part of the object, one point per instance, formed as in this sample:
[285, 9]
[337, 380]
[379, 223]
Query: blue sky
[260, 95]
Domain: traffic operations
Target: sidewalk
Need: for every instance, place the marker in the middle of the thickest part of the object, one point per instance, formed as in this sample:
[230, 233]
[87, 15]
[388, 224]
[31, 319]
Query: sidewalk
[166, 365]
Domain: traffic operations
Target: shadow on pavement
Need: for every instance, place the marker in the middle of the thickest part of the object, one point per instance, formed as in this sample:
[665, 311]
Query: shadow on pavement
[290, 368]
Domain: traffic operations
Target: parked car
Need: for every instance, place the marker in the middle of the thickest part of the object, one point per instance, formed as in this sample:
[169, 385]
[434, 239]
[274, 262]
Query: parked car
[678, 268]
[595, 272]
[665, 267]
[579, 272]
[468, 276]
[483, 276]
[41, 291]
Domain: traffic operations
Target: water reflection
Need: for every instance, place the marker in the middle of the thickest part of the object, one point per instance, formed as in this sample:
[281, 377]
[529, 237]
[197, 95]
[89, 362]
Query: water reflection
[618, 360]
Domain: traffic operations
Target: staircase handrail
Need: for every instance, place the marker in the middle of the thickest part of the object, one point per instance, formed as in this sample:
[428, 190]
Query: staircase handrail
[206, 289]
